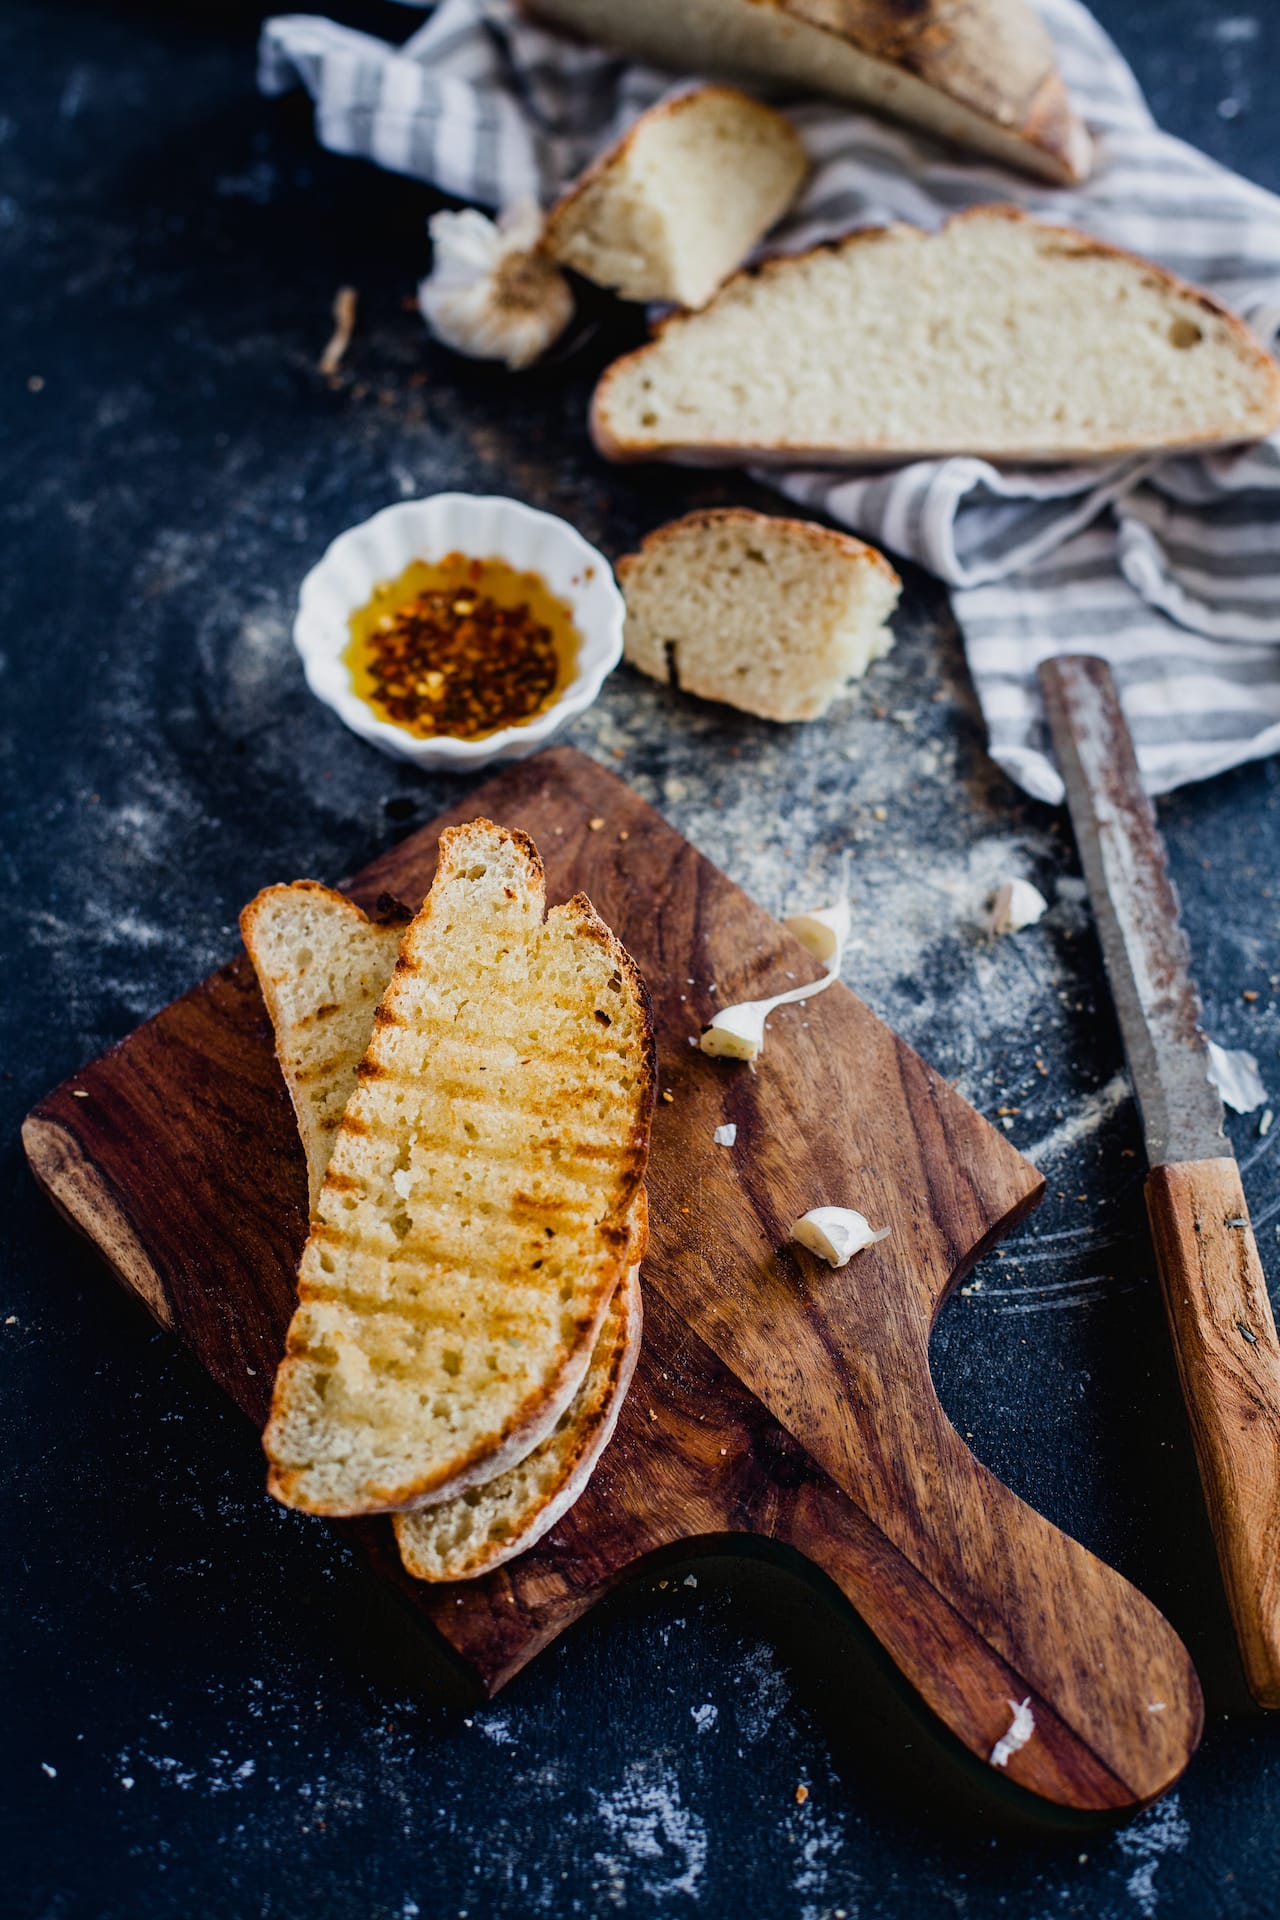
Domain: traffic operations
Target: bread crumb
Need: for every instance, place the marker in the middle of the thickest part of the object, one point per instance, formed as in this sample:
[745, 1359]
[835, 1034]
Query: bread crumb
[595, 823]
[802, 1794]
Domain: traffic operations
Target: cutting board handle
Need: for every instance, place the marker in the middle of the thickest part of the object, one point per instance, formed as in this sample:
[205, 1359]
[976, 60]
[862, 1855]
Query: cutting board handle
[1224, 1336]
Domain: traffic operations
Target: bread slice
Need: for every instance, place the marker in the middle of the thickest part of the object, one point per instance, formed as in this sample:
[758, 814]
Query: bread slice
[322, 965]
[979, 72]
[679, 202]
[998, 336]
[303, 932]
[475, 1218]
[462, 1538]
[774, 616]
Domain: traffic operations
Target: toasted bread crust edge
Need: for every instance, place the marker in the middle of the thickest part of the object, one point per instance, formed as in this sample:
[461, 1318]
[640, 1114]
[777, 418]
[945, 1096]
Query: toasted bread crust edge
[1043, 123]
[812, 532]
[624, 452]
[533, 1420]
[593, 1437]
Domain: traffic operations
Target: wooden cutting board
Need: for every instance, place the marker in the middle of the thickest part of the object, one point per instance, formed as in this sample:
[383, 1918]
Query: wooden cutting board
[774, 1396]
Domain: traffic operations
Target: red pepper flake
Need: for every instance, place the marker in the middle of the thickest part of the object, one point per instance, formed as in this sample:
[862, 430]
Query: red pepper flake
[453, 658]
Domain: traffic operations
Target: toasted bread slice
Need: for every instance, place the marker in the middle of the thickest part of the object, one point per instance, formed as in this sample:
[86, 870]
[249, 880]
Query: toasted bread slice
[999, 336]
[774, 616]
[476, 1531]
[675, 205]
[298, 937]
[322, 965]
[475, 1217]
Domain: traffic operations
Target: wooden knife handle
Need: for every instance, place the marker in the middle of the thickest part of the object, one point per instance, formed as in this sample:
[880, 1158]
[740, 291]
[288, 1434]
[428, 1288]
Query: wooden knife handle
[1224, 1336]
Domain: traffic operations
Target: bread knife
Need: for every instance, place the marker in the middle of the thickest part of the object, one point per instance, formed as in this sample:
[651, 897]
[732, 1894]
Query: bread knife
[1224, 1333]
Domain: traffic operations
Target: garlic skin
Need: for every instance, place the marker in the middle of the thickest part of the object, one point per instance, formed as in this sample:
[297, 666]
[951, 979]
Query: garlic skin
[737, 1032]
[1016, 1736]
[490, 294]
[835, 1234]
[1015, 905]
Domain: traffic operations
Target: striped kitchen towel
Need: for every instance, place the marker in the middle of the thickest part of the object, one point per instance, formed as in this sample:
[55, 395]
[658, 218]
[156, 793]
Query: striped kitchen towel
[1170, 568]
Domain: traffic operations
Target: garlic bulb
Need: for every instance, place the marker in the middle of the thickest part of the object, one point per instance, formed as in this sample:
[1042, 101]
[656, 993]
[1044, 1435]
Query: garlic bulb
[1016, 904]
[490, 293]
[835, 1234]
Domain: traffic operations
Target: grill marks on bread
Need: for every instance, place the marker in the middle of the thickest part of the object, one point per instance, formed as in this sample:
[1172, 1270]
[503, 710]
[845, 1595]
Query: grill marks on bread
[474, 1221]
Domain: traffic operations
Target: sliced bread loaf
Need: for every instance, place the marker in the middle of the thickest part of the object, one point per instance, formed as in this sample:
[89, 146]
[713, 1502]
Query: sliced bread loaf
[774, 616]
[476, 1215]
[679, 202]
[460, 1539]
[311, 944]
[322, 965]
[980, 72]
[998, 336]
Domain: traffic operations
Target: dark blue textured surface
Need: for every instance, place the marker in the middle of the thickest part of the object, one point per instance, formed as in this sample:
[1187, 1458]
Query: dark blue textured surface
[209, 1708]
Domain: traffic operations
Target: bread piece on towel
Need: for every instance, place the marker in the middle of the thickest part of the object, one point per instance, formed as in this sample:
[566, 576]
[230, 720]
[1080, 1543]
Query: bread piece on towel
[679, 202]
[774, 616]
[999, 336]
[322, 965]
[476, 1215]
[979, 72]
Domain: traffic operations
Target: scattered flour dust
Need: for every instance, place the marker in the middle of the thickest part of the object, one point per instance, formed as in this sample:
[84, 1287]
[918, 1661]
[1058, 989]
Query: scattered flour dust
[760, 1692]
[704, 1718]
[658, 1843]
[1162, 1830]
[1082, 1123]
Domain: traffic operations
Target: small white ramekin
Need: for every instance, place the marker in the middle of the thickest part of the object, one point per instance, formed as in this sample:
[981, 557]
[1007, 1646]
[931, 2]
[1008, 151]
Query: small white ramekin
[486, 527]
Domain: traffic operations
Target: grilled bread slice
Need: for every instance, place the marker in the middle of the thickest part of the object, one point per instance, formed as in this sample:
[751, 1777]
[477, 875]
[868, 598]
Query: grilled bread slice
[322, 965]
[774, 616]
[476, 1215]
[310, 943]
[675, 205]
[476, 1531]
[999, 336]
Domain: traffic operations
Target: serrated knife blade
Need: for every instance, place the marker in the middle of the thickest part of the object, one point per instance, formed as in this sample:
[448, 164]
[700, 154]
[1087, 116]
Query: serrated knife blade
[1137, 915]
[1215, 1292]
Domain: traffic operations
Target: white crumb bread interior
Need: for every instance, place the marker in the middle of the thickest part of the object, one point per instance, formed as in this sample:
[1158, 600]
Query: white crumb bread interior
[460, 1539]
[774, 616]
[322, 965]
[998, 336]
[679, 202]
[476, 1215]
[981, 72]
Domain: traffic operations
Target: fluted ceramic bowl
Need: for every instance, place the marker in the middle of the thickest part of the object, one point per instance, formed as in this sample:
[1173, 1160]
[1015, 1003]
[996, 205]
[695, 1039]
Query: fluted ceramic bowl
[486, 527]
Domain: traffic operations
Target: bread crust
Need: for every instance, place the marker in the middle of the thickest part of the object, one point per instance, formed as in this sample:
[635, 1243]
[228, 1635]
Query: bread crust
[723, 452]
[489, 1453]
[592, 1434]
[810, 532]
[990, 59]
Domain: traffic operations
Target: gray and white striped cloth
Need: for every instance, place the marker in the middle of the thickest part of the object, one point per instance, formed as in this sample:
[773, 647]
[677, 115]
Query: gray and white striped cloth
[1170, 568]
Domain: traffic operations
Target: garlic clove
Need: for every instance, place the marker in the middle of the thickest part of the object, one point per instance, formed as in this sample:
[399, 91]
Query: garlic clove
[824, 932]
[737, 1033]
[1016, 904]
[491, 294]
[835, 1234]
